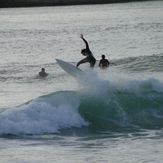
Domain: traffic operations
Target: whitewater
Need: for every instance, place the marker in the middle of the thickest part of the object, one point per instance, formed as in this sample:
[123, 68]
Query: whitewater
[111, 115]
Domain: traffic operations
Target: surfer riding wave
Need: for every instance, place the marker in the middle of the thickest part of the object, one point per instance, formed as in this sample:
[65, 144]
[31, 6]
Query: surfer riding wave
[87, 52]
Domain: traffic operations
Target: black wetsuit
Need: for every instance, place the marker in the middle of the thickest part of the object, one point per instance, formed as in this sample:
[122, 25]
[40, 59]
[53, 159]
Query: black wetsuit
[43, 74]
[104, 63]
[89, 56]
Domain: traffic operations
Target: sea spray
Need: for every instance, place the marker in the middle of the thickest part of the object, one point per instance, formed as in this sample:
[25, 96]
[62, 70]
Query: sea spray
[122, 102]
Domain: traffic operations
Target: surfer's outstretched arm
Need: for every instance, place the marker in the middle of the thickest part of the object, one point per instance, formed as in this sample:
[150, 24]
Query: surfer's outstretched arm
[82, 61]
[86, 43]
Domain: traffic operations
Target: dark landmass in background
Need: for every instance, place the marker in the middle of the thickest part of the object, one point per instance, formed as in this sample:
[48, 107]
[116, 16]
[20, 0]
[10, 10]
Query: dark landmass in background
[28, 3]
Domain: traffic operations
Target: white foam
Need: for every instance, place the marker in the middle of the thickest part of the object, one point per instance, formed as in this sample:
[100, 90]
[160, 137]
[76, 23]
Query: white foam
[119, 81]
[40, 116]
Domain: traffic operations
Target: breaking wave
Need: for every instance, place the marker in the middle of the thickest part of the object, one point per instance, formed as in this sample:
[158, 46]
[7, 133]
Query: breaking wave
[100, 104]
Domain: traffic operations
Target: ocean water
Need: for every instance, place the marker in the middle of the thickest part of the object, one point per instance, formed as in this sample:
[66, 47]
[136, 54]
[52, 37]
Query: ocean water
[106, 116]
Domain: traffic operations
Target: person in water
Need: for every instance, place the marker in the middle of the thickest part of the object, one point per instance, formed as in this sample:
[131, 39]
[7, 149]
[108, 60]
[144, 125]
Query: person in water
[104, 63]
[89, 56]
[42, 73]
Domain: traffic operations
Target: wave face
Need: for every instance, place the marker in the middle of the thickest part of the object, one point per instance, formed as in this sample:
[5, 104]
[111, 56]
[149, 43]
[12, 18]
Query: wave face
[119, 103]
[125, 108]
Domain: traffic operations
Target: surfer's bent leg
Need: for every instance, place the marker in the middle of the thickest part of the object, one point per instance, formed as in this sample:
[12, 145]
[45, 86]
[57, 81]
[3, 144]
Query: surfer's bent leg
[82, 61]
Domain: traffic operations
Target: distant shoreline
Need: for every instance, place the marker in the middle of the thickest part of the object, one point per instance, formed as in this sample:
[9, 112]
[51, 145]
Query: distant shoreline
[35, 3]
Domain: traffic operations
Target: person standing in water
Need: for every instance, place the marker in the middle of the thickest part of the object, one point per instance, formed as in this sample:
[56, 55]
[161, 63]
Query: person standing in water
[86, 52]
[104, 63]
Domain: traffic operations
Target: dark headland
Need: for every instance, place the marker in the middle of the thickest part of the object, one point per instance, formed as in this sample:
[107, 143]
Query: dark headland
[30, 3]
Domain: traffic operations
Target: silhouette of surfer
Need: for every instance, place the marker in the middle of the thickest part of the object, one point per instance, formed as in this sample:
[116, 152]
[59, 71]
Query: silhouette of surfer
[42, 73]
[104, 63]
[86, 52]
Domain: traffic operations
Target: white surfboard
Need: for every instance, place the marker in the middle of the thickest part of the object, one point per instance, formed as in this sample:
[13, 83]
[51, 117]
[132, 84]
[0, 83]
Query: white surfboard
[70, 68]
